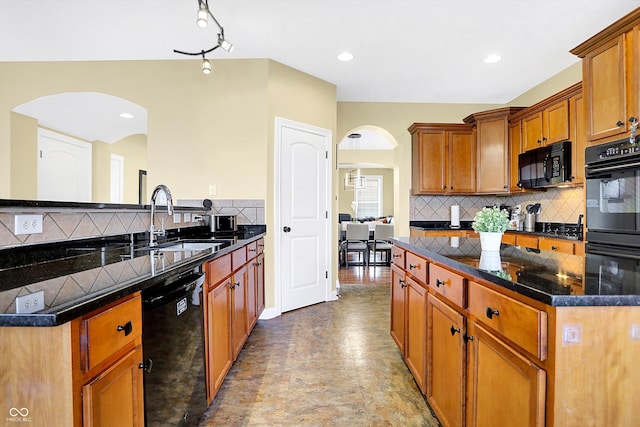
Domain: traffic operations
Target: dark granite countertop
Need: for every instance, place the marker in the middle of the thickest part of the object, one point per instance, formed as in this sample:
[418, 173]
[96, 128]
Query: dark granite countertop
[466, 225]
[552, 278]
[79, 277]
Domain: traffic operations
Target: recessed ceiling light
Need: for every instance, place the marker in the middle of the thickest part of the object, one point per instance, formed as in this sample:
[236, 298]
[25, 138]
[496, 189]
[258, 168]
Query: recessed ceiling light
[345, 56]
[126, 115]
[492, 59]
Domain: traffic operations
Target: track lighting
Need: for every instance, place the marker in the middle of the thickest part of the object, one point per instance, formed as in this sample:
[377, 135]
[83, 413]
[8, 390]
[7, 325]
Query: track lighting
[203, 19]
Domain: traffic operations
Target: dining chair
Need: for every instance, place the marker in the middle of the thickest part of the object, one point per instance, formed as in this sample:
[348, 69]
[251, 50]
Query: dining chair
[381, 242]
[356, 240]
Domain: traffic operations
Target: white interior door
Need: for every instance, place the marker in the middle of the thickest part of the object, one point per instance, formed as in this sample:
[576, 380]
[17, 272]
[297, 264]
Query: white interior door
[303, 226]
[64, 167]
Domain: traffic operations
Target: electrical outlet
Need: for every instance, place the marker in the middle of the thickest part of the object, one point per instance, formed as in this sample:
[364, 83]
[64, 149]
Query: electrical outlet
[213, 190]
[30, 303]
[28, 224]
[187, 217]
[177, 218]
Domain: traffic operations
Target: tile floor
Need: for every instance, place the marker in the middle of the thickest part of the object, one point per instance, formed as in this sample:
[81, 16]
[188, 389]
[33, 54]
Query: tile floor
[331, 364]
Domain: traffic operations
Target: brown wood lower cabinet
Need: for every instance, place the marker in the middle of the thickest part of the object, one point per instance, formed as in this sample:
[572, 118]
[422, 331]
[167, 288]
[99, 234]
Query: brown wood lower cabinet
[234, 300]
[116, 396]
[504, 388]
[416, 334]
[398, 306]
[446, 362]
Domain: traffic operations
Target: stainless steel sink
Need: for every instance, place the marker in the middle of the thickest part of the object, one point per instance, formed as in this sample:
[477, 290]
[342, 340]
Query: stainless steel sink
[188, 246]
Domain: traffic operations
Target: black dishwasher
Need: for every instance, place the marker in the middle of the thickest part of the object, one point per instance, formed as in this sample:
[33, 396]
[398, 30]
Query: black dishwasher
[172, 343]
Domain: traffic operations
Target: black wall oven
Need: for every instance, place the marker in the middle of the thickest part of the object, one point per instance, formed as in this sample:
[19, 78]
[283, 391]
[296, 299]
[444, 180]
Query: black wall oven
[613, 218]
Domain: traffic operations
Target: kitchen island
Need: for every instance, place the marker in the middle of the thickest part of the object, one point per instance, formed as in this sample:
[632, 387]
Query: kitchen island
[516, 337]
[82, 352]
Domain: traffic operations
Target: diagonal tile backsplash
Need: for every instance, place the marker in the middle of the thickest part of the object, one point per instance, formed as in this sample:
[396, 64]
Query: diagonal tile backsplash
[557, 205]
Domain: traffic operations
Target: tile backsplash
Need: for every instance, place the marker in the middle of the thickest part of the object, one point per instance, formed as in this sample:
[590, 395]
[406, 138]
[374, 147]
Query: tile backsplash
[557, 205]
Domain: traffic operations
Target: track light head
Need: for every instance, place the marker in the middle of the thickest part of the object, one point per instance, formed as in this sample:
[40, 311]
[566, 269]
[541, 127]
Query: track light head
[206, 66]
[224, 43]
[203, 16]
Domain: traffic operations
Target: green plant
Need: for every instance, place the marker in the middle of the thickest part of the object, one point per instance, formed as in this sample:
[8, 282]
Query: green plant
[492, 220]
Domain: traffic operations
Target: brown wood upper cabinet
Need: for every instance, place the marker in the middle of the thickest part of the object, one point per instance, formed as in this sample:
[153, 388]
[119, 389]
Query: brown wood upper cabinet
[492, 140]
[546, 127]
[610, 72]
[443, 158]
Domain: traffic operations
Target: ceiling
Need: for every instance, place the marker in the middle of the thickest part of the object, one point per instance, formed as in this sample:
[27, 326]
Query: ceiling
[425, 51]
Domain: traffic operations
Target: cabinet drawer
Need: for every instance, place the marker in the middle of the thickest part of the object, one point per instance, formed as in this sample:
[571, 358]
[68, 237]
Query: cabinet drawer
[417, 267]
[509, 238]
[106, 332]
[218, 269]
[397, 255]
[527, 241]
[555, 245]
[522, 324]
[448, 284]
[252, 250]
[239, 257]
[260, 245]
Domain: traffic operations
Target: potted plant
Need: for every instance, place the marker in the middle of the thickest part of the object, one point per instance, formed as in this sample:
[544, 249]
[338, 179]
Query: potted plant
[491, 223]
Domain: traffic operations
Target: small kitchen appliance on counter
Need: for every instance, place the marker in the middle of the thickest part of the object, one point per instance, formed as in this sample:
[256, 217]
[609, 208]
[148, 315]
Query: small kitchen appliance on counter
[223, 226]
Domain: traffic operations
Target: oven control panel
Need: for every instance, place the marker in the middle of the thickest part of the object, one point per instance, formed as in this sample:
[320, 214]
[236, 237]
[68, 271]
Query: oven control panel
[616, 149]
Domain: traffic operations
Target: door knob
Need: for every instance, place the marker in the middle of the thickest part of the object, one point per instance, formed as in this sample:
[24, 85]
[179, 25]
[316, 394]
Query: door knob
[286, 229]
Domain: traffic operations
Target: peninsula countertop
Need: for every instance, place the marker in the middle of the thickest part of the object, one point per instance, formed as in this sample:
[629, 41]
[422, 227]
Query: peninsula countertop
[77, 278]
[552, 278]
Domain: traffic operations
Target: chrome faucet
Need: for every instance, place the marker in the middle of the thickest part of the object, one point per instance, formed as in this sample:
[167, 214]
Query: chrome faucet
[153, 232]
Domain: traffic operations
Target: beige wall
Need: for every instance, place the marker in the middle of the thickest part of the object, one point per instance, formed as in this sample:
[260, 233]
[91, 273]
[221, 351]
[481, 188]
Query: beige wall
[24, 181]
[202, 130]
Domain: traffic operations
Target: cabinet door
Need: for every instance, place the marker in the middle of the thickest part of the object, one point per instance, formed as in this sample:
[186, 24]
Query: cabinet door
[416, 343]
[578, 114]
[217, 336]
[428, 171]
[397, 306]
[252, 294]
[515, 144]
[556, 123]
[604, 77]
[493, 155]
[461, 162]
[239, 310]
[260, 285]
[504, 388]
[532, 131]
[445, 362]
[115, 397]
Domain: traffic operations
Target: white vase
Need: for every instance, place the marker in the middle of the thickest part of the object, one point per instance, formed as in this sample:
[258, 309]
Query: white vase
[490, 241]
[490, 261]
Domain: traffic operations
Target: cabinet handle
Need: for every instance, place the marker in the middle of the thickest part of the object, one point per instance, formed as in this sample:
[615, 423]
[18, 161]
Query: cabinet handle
[539, 142]
[258, 264]
[261, 245]
[411, 266]
[444, 187]
[252, 250]
[451, 188]
[396, 256]
[454, 330]
[467, 338]
[127, 328]
[439, 282]
[505, 186]
[554, 248]
[544, 138]
[491, 312]
[146, 366]
[619, 123]
[401, 283]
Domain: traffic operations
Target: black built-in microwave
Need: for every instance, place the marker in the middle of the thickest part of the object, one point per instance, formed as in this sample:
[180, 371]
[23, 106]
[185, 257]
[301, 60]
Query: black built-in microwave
[545, 166]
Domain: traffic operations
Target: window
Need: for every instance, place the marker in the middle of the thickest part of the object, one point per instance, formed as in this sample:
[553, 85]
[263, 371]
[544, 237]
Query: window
[369, 199]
